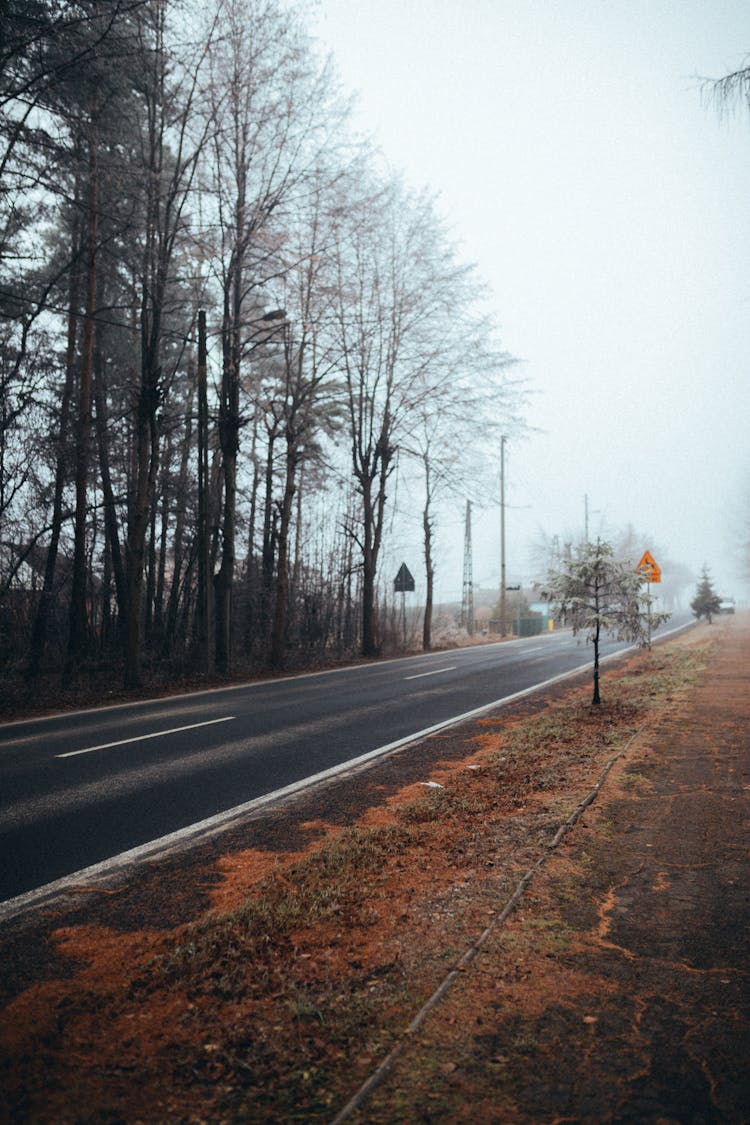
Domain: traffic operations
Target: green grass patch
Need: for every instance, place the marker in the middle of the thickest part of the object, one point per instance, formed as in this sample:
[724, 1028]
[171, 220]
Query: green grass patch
[335, 881]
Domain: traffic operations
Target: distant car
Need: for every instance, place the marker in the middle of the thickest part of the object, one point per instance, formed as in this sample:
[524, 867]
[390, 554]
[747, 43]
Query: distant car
[726, 605]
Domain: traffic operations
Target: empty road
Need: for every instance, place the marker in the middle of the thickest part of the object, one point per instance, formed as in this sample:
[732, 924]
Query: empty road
[79, 789]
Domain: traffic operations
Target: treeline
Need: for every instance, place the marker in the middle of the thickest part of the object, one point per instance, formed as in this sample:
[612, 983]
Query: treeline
[223, 327]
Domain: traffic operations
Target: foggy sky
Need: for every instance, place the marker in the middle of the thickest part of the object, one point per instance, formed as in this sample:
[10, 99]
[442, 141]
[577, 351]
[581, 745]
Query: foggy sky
[606, 204]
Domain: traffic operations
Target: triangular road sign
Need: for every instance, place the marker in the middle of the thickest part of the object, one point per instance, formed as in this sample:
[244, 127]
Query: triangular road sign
[403, 582]
[649, 568]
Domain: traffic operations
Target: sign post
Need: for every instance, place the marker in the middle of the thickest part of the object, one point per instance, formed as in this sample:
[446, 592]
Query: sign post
[650, 571]
[402, 583]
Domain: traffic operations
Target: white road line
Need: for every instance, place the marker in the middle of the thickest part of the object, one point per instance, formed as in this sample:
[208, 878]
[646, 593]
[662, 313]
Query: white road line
[143, 737]
[421, 675]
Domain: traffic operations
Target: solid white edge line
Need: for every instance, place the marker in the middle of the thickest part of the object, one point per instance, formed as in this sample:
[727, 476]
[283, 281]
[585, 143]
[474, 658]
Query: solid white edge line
[222, 821]
[144, 737]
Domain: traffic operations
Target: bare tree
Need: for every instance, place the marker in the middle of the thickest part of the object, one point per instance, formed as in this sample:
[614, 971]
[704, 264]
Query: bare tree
[730, 92]
[405, 325]
[468, 401]
[596, 594]
[173, 139]
[78, 631]
[270, 104]
[160, 158]
[60, 87]
[311, 399]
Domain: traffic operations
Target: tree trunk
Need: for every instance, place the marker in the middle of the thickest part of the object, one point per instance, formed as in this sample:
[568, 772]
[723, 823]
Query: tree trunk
[229, 443]
[596, 699]
[373, 516]
[224, 575]
[78, 632]
[268, 549]
[171, 160]
[41, 621]
[147, 455]
[251, 568]
[430, 577]
[369, 564]
[161, 568]
[294, 589]
[179, 533]
[278, 630]
[203, 626]
[428, 563]
[111, 526]
[146, 467]
[106, 596]
[150, 575]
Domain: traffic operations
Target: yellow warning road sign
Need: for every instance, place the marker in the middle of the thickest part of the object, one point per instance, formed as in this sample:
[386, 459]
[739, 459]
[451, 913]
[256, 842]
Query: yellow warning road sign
[649, 568]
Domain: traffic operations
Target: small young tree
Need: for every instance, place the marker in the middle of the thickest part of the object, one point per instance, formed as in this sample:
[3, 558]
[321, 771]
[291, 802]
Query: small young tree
[706, 601]
[595, 593]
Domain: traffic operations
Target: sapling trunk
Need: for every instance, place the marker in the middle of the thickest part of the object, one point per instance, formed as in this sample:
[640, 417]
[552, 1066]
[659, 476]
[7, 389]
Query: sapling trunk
[596, 699]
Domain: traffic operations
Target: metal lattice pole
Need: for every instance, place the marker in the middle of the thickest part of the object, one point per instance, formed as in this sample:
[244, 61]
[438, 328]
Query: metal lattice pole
[467, 600]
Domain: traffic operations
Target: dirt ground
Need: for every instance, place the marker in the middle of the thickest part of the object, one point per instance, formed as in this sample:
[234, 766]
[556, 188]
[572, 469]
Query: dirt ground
[639, 1009]
[267, 975]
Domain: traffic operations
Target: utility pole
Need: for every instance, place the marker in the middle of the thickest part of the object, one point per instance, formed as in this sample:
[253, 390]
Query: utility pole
[587, 512]
[502, 536]
[204, 586]
[467, 602]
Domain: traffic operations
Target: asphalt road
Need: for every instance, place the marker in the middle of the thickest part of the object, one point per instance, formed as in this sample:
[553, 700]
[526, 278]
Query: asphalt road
[79, 789]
